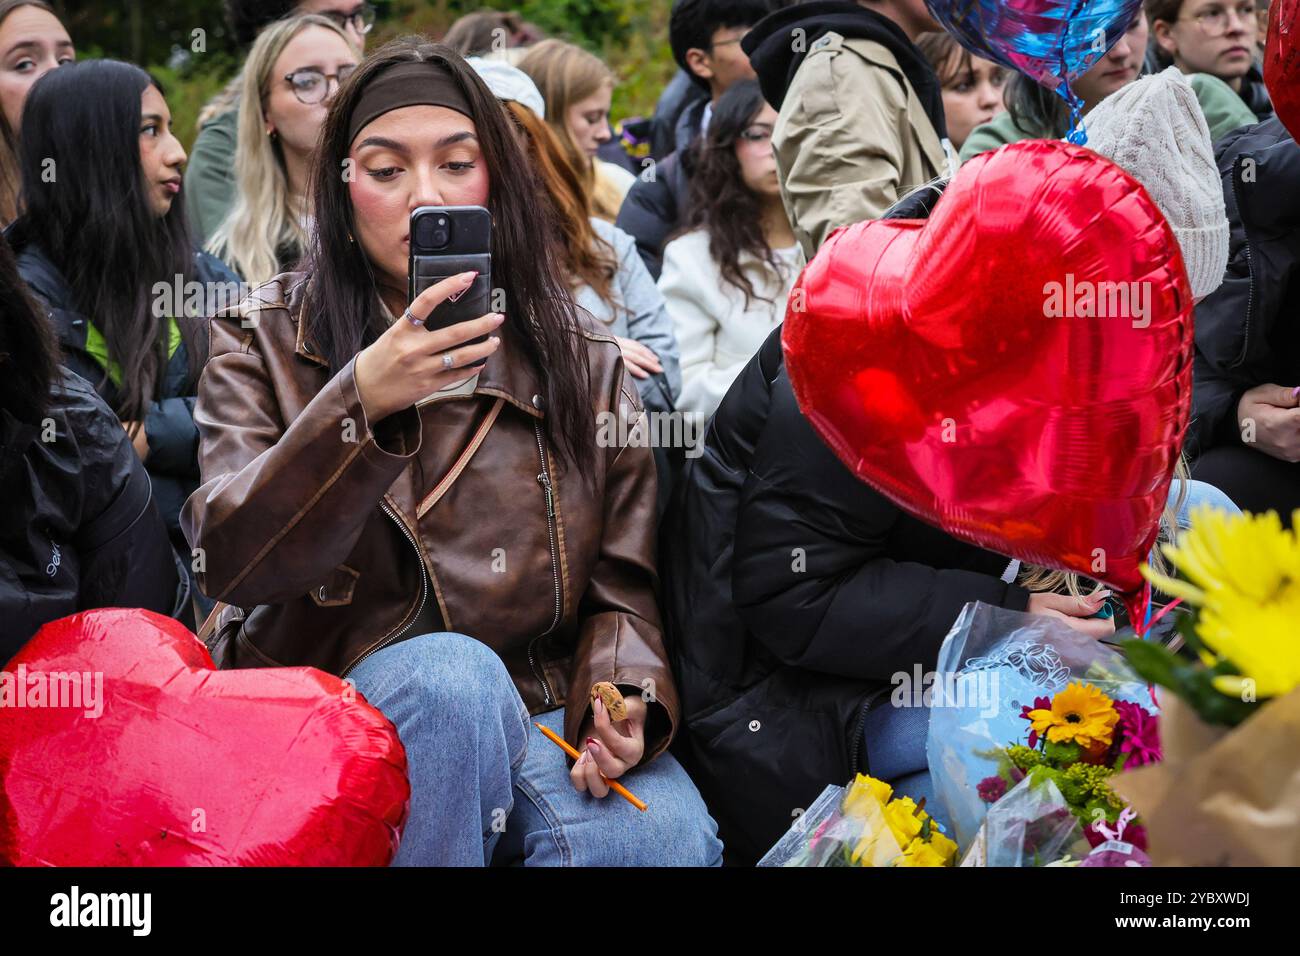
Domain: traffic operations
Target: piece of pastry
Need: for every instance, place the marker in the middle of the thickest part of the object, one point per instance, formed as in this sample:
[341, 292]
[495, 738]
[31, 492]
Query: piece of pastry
[613, 699]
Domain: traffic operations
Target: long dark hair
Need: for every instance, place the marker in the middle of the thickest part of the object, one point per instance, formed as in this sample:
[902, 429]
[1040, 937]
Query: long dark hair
[92, 217]
[721, 204]
[341, 297]
[28, 353]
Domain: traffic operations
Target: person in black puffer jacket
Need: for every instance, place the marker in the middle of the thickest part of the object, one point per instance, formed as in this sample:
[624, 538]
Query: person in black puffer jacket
[1245, 431]
[792, 593]
[104, 245]
[78, 529]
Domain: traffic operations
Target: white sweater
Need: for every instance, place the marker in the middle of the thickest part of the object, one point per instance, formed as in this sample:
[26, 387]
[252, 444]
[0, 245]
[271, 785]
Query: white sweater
[716, 333]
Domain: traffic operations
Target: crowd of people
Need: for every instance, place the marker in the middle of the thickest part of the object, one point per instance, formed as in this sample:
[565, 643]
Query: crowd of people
[304, 474]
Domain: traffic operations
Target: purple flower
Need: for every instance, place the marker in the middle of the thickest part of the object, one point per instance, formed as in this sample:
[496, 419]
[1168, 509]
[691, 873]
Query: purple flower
[1040, 703]
[1138, 732]
[991, 789]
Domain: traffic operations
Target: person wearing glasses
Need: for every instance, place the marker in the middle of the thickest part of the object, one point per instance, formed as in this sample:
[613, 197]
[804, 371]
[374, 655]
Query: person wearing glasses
[210, 177]
[726, 280]
[705, 36]
[1218, 37]
[291, 73]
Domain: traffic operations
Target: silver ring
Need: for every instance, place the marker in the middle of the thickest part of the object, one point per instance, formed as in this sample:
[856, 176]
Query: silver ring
[447, 360]
[412, 319]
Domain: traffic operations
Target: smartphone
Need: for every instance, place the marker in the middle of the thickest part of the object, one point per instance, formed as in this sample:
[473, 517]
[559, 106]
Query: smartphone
[446, 241]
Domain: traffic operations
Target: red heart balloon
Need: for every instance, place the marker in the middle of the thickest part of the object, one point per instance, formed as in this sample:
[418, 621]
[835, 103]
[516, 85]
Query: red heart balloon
[953, 364]
[1282, 62]
[174, 763]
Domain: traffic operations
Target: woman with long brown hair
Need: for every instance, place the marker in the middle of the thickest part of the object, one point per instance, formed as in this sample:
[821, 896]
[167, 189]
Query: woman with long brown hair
[727, 277]
[578, 87]
[455, 539]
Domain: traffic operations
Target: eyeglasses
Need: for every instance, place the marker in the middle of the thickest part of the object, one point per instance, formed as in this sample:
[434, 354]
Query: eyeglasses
[311, 86]
[1216, 20]
[714, 44]
[756, 136]
[362, 18]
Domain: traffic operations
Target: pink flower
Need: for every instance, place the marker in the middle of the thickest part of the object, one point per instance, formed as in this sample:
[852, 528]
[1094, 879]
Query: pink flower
[1138, 734]
[1134, 834]
[1040, 703]
[991, 789]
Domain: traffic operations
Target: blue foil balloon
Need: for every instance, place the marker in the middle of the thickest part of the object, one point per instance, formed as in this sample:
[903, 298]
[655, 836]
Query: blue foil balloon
[1051, 41]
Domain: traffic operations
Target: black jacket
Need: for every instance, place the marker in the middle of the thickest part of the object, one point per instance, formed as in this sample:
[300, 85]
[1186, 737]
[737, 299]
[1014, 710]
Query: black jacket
[656, 208]
[173, 438]
[1255, 94]
[1248, 330]
[792, 592]
[78, 526]
[680, 93]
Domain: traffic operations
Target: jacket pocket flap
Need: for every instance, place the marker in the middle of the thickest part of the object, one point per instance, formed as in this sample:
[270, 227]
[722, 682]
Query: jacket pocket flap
[337, 589]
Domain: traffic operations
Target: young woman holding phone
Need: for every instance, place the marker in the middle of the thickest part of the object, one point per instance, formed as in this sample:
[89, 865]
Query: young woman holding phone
[457, 543]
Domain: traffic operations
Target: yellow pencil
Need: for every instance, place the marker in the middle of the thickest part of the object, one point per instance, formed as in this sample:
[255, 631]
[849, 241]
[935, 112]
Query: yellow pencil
[614, 785]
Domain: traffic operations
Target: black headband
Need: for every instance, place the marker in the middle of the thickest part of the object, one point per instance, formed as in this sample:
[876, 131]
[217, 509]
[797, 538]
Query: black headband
[408, 83]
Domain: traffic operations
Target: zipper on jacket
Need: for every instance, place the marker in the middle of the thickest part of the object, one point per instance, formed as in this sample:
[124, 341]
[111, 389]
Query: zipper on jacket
[1250, 268]
[424, 593]
[544, 479]
[858, 731]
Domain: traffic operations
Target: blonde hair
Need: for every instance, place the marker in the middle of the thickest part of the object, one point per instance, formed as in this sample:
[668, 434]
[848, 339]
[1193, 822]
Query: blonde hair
[1041, 579]
[266, 216]
[566, 74]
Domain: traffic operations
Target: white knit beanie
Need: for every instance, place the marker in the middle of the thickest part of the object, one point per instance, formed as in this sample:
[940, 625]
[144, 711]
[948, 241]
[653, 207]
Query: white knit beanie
[1155, 130]
[509, 83]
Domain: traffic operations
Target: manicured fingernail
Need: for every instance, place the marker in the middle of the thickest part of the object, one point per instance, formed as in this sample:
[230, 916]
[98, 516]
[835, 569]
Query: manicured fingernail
[590, 741]
[598, 706]
[592, 746]
[467, 277]
[1295, 392]
[494, 340]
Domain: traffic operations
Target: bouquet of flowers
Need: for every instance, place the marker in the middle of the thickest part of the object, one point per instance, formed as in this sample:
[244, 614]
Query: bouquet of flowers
[1019, 692]
[1078, 739]
[1225, 793]
[863, 825]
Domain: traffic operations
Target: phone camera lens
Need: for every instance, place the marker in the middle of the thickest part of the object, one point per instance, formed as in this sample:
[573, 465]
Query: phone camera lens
[433, 232]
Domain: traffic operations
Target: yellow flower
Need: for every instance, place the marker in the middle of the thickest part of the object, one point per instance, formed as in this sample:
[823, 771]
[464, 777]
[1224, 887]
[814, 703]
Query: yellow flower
[864, 793]
[946, 848]
[921, 853]
[901, 818]
[1243, 572]
[1080, 714]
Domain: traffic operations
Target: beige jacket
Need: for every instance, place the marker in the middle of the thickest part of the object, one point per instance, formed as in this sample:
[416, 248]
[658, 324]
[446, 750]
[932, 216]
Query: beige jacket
[852, 139]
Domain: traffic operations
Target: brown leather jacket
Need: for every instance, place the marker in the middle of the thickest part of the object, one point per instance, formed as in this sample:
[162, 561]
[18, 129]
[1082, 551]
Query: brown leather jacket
[326, 534]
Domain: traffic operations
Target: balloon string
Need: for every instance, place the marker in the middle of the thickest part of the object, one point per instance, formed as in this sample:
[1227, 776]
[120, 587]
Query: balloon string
[1078, 135]
[1165, 610]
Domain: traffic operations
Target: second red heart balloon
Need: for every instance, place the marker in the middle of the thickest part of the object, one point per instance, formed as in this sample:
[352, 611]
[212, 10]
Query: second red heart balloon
[1015, 370]
[1282, 62]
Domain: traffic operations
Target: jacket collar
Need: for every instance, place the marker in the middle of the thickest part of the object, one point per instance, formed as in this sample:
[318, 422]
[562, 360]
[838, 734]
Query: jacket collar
[507, 374]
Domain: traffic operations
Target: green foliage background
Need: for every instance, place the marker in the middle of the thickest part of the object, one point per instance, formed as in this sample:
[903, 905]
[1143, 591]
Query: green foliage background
[630, 35]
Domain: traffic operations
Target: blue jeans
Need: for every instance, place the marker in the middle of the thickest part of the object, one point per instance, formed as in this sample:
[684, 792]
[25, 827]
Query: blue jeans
[1199, 493]
[488, 788]
[895, 749]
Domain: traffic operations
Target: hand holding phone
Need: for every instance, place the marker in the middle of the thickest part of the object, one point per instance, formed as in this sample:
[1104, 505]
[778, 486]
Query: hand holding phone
[409, 362]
